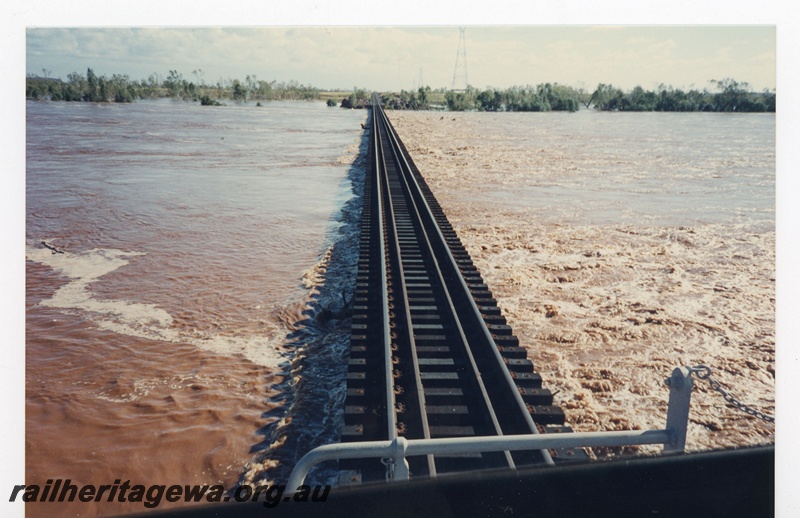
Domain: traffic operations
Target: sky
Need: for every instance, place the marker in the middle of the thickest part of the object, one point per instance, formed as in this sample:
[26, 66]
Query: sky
[404, 57]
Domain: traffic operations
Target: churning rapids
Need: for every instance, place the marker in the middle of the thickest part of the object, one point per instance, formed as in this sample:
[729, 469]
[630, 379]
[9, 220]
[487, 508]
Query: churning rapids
[621, 246]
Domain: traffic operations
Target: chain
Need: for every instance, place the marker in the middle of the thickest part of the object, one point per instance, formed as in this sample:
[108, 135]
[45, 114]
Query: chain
[703, 372]
[389, 463]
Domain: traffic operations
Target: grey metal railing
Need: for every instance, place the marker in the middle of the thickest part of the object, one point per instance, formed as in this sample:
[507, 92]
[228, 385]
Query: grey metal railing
[395, 451]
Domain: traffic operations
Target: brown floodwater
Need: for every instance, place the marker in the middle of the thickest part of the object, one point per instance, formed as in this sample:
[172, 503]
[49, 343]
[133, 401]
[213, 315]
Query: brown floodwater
[620, 246]
[181, 251]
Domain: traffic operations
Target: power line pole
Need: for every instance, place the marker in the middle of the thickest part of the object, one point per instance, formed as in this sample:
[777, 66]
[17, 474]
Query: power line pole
[460, 72]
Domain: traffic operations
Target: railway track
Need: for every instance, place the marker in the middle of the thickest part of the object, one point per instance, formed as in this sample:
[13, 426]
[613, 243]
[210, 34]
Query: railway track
[431, 354]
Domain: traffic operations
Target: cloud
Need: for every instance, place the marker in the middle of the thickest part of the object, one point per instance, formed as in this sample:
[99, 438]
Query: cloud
[386, 58]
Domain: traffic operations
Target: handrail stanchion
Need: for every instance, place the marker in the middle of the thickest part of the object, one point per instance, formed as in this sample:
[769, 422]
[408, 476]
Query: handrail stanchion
[401, 471]
[680, 395]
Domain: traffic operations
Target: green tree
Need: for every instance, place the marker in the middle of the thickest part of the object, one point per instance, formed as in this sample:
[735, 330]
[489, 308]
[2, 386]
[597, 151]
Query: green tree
[265, 89]
[173, 84]
[606, 97]
[461, 101]
[489, 100]
[239, 92]
[563, 98]
[423, 96]
[90, 94]
[638, 100]
[732, 96]
[122, 90]
[102, 90]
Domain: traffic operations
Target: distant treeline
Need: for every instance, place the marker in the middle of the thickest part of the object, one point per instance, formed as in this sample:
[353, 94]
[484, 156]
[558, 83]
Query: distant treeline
[122, 89]
[541, 98]
[730, 95]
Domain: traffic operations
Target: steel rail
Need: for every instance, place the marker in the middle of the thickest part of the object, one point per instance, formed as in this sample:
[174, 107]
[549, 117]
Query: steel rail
[393, 241]
[391, 418]
[463, 341]
[451, 262]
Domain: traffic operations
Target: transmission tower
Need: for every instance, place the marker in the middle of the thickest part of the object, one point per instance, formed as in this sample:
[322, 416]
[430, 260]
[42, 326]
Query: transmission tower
[460, 73]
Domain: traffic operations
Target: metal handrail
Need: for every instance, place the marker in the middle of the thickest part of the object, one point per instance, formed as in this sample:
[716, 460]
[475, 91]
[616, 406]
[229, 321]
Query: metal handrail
[400, 448]
[673, 437]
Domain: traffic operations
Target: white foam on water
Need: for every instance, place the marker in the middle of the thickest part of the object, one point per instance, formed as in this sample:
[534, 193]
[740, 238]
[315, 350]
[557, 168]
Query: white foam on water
[121, 316]
[135, 319]
[259, 350]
